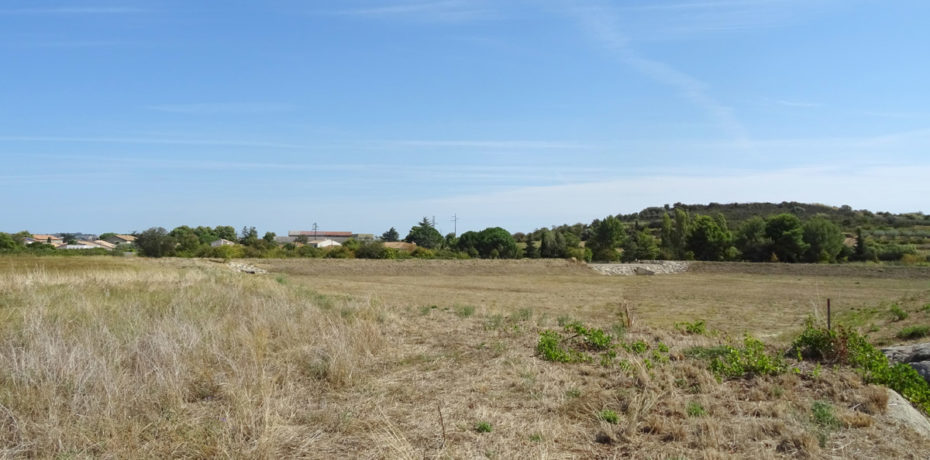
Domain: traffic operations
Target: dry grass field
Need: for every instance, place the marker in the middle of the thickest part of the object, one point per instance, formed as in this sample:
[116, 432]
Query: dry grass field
[126, 358]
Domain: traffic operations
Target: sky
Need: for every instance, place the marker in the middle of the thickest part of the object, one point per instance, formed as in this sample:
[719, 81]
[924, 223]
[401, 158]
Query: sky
[361, 115]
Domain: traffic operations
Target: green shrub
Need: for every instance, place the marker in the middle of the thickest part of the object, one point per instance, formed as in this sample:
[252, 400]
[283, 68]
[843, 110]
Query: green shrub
[695, 328]
[483, 427]
[913, 332]
[898, 313]
[748, 361]
[707, 352]
[595, 339]
[822, 415]
[695, 409]
[856, 351]
[609, 416]
[638, 347]
[550, 348]
[464, 311]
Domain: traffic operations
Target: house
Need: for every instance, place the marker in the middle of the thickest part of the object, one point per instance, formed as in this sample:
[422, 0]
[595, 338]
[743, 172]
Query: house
[105, 245]
[323, 243]
[121, 239]
[48, 239]
[339, 237]
[80, 244]
[222, 242]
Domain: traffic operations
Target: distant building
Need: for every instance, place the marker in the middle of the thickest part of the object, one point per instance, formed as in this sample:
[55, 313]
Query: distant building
[327, 243]
[80, 244]
[105, 244]
[339, 237]
[222, 242]
[121, 239]
[48, 239]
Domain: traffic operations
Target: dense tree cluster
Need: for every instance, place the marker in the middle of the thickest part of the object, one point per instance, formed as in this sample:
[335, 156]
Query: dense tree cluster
[730, 232]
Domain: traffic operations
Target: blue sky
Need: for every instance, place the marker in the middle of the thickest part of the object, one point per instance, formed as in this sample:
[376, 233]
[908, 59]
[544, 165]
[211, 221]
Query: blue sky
[362, 115]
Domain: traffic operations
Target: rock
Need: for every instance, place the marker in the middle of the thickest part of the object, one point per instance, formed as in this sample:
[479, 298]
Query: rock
[916, 355]
[908, 353]
[646, 267]
[902, 411]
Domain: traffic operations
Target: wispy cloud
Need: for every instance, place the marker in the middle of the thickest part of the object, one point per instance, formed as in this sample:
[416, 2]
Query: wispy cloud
[72, 10]
[602, 24]
[152, 141]
[430, 10]
[804, 104]
[684, 19]
[222, 108]
[492, 144]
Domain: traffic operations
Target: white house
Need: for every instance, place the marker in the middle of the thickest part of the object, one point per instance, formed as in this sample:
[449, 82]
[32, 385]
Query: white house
[222, 242]
[323, 243]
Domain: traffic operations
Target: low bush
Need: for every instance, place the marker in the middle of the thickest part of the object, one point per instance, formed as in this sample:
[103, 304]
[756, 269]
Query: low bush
[898, 313]
[748, 361]
[696, 328]
[609, 416]
[913, 332]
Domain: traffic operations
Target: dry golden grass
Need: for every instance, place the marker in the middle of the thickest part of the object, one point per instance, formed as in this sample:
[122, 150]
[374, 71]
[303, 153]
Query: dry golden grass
[177, 358]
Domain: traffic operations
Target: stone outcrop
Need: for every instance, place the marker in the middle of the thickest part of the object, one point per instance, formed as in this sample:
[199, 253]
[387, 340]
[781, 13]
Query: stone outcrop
[916, 355]
[646, 267]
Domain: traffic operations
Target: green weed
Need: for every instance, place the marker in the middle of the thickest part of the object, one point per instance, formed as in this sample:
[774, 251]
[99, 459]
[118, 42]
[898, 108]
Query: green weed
[913, 332]
[695, 409]
[464, 311]
[898, 313]
[483, 427]
[748, 361]
[696, 328]
[609, 416]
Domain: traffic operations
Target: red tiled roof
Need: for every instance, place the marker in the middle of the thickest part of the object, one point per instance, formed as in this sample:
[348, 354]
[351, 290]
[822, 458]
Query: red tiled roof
[319, 233]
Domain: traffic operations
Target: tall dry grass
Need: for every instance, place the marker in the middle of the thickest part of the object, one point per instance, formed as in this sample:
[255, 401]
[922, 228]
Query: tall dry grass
[168, 360]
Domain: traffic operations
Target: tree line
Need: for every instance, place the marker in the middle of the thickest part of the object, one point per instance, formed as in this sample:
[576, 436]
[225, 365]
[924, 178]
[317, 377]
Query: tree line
[674, 235]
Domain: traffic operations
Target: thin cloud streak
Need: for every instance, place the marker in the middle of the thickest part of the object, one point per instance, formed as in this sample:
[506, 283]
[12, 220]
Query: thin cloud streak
[152, 141]
[222, 108]
[66, 10]
[603, 26]
[430, 11]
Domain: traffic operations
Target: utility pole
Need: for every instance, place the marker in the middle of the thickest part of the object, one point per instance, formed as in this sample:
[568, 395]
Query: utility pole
[434, 221]
[455, 225]
[314, 230]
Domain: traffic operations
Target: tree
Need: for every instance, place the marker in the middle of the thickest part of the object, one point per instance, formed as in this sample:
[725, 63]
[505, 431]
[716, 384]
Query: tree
[752, 241]
[155, 242]
[787, 237]
[249, 236]
[640, 245]
[861, 251]
[105, 236]
[708, 241]
[226, 232]
[424, 235]
[390, 235]
[824, 238]
[680, 232]
[608, 235]
[7, 243]
[531, 251]
[666, 241]
[269, 238]
[186, 239]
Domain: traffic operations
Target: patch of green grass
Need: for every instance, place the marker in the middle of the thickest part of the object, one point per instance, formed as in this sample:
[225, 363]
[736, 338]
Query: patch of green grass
[483, 427]
[913, 332]
[464, 311]
[695, 409]
[573, 393]
[822, 415]
[563, 320]
[696, 328]
[609, 416]
[925, 308]
[707, 352]
[536, 437]
[898, 313]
